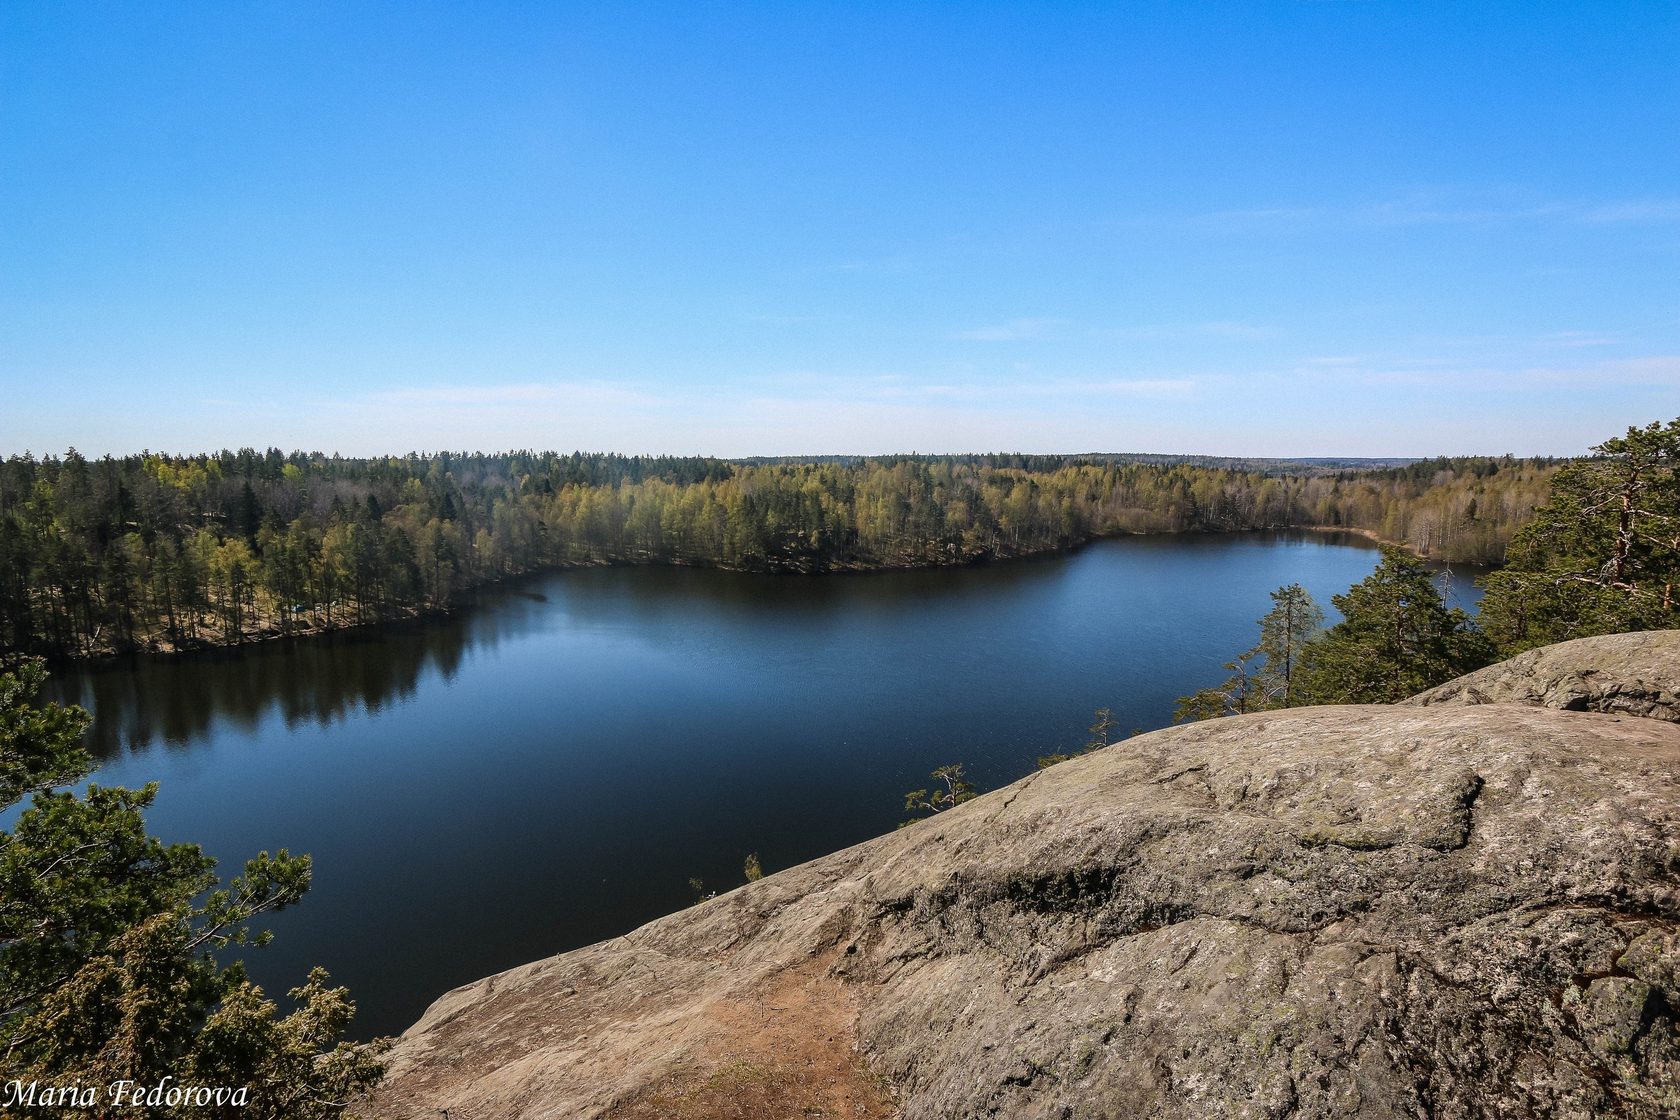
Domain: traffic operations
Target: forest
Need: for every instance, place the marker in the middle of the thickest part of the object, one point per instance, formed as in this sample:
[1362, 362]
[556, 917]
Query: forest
[162, 552]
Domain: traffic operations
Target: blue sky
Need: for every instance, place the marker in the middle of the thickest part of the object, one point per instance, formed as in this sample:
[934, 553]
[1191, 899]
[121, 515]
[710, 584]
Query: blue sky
[1309, 228]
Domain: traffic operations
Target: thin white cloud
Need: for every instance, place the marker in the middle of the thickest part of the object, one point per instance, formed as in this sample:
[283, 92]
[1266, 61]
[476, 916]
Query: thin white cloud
[1269, 216]
[1133, 387]
[777, 320]
[1418, 212]
[529, 393]
[1338, 360]
[1636, 210]
[1660, 371]
[1226, 328]
[820, 392]
[1233, 329]
[1367, 375]
[1443, 373]
[1578, 339]
[1014, 330]
[1435, 209]
[899, 262]
[1025, 329]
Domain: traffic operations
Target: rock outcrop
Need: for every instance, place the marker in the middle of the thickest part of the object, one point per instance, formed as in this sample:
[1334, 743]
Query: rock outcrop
[1633, 674]
[1436, 909]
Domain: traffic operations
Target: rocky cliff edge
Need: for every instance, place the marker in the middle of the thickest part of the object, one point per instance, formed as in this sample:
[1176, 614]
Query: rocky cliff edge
[1464, 906]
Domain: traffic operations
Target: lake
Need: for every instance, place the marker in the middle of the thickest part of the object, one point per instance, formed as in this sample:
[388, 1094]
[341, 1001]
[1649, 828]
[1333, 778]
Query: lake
[551, 766]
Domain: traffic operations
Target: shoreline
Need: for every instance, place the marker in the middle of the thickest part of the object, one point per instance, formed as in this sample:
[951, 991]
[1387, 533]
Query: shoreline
[270, 632]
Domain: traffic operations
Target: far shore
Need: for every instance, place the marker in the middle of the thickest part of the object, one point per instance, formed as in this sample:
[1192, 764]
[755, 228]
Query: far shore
[269, 627]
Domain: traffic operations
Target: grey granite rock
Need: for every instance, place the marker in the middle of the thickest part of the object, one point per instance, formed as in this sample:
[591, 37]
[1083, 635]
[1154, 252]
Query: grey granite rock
[1636, 674]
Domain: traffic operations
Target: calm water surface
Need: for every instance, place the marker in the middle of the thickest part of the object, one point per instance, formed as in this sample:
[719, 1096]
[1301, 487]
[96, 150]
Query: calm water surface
[551, 767]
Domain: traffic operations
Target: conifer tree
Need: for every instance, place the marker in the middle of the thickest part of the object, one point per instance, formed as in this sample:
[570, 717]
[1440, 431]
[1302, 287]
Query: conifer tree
[108, 976]
[1288, 627]
[957, 790]
[1602, 555]
[1269, 675]
[1396, 638]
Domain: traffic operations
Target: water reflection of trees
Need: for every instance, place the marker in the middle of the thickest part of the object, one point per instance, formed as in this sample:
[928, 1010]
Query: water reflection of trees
[140, 701]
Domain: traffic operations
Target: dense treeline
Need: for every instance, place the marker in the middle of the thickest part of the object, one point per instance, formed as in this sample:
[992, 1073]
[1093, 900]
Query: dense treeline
[157, 551]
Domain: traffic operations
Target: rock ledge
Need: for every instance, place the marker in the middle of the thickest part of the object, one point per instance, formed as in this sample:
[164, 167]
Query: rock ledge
[1633, 674]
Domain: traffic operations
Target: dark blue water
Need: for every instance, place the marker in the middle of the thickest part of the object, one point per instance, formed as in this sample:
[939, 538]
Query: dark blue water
[552, 766]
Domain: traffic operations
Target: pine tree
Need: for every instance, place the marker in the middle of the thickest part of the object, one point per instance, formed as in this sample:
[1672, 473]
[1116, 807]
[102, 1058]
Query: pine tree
[1288, 627]
[1603, 555]
[1396, 638]
[957, 790]
[1269, 675]
[107, 973]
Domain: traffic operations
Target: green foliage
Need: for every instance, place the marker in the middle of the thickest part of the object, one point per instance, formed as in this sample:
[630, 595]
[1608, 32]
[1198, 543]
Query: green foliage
[106, 939]
[1602, 555]
[1103, 724]
[1100, 728]
[1285, 633]
[753, 870]
[1238, 694]
[1396, 638]
[1269, 675]
[155, 551]
[39, 747]
[957, 789]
